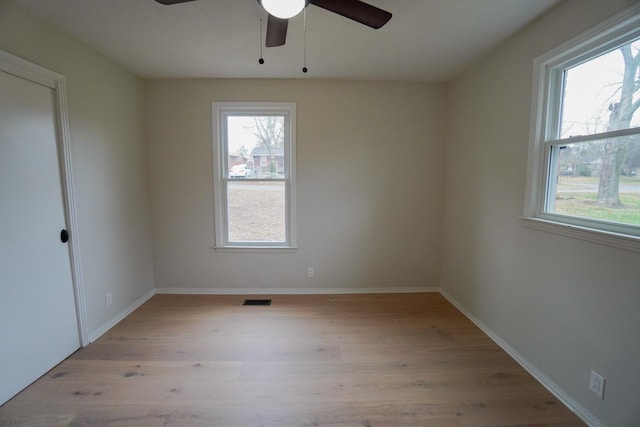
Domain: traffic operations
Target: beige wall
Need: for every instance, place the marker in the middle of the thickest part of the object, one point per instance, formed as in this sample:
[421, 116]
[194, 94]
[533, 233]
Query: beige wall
[370, 185]
[108, 163]
[567, 306]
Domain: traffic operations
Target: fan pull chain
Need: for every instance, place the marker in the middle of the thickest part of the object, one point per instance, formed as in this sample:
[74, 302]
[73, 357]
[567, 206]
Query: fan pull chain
[304, 64]
[261, 60]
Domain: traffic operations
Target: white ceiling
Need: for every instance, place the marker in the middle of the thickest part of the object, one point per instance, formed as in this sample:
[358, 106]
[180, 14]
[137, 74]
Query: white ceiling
[425, 40]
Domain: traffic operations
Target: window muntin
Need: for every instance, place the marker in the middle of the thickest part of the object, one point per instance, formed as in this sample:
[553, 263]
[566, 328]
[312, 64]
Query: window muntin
[254, 169]
[577, 95]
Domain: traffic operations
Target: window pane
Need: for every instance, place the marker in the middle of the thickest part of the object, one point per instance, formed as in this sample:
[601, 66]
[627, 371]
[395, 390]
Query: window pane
[598, 92]
[255, 147]
[598, 180]
[256, 211]
[254, 188]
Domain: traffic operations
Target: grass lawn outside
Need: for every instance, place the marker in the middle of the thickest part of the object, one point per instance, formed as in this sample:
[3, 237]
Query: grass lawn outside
[257, 211]
[584, 205]
[576, 196]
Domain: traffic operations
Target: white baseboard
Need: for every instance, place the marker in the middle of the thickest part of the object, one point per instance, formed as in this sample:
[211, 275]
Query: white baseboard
[120, 316]
[558, 392]
[293, 291]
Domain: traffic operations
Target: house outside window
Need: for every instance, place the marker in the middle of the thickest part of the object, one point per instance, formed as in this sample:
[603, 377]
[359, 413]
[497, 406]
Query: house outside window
[584, 152]
[268, 167]
[254, 175]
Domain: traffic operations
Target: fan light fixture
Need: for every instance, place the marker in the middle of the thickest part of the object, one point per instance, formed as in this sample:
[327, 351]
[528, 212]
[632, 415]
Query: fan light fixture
[283, 9]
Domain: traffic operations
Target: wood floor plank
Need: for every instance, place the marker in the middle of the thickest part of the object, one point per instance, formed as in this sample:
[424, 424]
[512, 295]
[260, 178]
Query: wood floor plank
[314, 360]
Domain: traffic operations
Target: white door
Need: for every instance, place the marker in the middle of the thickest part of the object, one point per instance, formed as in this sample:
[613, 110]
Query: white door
[38, 321]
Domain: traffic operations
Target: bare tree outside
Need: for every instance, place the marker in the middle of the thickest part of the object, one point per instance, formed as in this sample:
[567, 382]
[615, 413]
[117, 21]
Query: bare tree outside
[256, 202]
[620, 116]
[599, 178]
[269, 131]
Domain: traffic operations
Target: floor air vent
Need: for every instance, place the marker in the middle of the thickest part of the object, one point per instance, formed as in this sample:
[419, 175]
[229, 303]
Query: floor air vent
[257, 302]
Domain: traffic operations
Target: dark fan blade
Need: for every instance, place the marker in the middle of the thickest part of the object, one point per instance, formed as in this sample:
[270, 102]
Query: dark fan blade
[276, 31]
[358, 11]
[169, 2]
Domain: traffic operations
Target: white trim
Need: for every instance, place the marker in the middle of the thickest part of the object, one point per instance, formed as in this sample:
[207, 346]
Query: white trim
[556, 390]
[618, 241]
[293, 291]
[27, 70]
[219, 111]
[94, 335]
[22, 68]
[544, 115]
[256, 249]
[613, 29]
[69, 192]
[595, 136]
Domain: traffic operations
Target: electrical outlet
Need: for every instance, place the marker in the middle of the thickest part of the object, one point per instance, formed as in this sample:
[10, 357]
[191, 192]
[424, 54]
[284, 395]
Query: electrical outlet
[310, 272]
[109, 298]
[596, 384]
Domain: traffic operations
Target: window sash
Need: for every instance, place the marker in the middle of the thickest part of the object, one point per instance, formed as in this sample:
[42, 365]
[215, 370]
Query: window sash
[287, 216]
[221, 112]
[551, 153]
[548, 81]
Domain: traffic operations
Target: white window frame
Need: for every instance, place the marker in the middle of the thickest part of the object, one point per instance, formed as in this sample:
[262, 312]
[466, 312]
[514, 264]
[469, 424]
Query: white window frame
[546, 102]
[220, 112]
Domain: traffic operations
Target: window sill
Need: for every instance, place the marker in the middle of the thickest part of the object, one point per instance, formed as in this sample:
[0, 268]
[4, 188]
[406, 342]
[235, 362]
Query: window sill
[255, 249]
[615, 240]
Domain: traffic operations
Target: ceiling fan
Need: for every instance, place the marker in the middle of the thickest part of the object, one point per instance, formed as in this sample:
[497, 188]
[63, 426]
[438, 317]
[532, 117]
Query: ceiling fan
[278, 20]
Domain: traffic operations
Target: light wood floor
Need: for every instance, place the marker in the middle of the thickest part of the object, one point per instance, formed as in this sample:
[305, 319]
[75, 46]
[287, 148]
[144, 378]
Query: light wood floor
[345, 360]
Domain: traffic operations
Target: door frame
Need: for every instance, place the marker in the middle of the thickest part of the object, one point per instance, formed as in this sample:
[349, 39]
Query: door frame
[22, 68]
